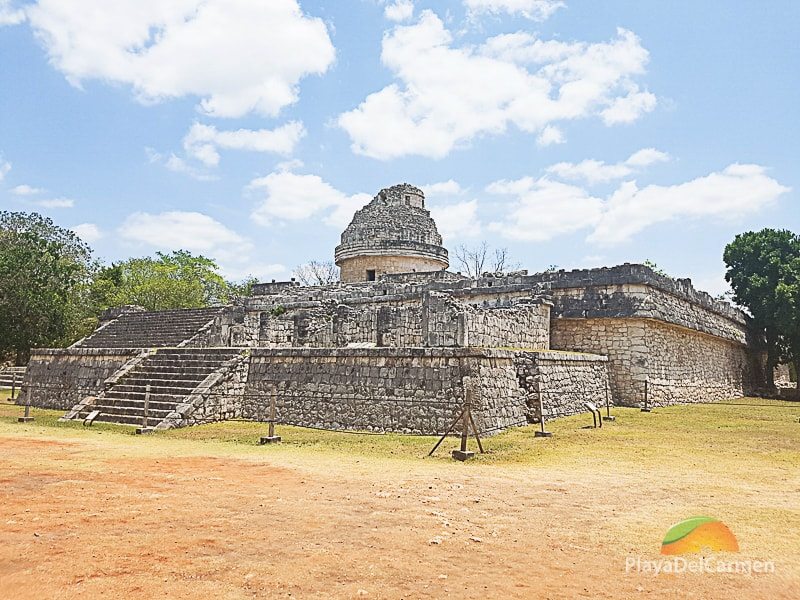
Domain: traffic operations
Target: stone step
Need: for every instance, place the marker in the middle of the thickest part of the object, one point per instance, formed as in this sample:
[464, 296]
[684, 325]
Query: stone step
[153, 365]
[165, 397]
[120, 419]
[154, 389]
[157, 379]
[133, 411]
[167, 373]
[111, 403]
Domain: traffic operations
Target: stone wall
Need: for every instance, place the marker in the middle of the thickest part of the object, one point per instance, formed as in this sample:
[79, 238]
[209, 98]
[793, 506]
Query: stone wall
[564, 382]
[406, 390]
[524, 326]
[355, 269]
[61, 378]
[681, 365]
[684, 366]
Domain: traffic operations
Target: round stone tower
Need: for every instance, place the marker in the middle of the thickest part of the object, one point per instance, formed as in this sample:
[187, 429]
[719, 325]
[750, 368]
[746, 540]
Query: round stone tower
[392, 234]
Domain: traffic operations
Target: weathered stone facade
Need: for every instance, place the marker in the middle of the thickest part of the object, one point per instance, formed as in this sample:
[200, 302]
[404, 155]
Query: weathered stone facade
[60, 378]
[409, 390]
[564, 381]
[392, 234]
[394, 353]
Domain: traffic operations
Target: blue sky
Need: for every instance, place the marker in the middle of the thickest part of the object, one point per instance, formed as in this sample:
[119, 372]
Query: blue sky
[574, 133]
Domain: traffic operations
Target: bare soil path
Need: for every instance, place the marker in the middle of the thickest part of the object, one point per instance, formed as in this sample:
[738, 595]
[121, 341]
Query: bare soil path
[112, 516]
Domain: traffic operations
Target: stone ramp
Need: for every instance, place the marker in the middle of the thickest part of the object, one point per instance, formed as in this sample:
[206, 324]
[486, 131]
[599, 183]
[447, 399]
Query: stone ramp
[151, 329]
[173, 374]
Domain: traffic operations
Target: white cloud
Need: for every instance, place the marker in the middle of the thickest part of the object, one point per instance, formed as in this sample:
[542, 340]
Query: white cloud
[596, 171]
[88, 232]
[443, 188]
[10, 15]
[544, 209]
[237, 56]
[26, 190]
[56, 203]
[177, 165]
[203, 142]
[444, 95]
[457, 220]
[737, 191]
[288, 196]
[627, 109]
[400, 10]
[550, 135]
[537, 10]
[5, 167]
[200, 234]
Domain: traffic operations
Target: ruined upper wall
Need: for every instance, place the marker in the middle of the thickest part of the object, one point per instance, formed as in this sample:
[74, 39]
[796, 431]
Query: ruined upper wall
[625, 291]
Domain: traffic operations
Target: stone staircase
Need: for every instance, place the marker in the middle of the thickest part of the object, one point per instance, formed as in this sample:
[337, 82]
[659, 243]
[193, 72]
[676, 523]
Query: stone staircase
[156, 329]
[173, 375]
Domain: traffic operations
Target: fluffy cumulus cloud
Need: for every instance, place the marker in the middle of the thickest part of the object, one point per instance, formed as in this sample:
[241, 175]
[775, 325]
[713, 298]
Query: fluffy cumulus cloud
[596, 171]
[550, 135]
[732, 193]
[9, 14]
[203, 142]
[237, 56]
[88, 232]
[446, 95]
[537, 10]
[200, 234]
[455, 217]
[543, 208]
[287, 196]
[442, 188]
[456, 220]
[400, 10]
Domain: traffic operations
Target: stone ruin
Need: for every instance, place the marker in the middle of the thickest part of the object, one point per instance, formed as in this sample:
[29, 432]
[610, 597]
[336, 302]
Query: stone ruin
[401, 343]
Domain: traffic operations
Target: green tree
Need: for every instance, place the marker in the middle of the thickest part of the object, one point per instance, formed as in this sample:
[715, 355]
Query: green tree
[760, 273]
[175, 280]
[788, 317]
[44, 271]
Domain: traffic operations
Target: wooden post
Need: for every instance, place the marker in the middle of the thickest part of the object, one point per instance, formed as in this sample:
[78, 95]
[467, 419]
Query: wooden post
[27, 418]
[609, 416]
[646, 407]
[13, 384]
[542, 432]
[145, 413]
[271, 438]
[463, 454]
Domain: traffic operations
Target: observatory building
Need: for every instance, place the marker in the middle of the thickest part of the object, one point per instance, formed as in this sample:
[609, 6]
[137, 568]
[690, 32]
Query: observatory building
[392, 234]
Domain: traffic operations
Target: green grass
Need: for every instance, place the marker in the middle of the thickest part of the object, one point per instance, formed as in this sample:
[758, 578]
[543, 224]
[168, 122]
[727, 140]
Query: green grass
[752, 434]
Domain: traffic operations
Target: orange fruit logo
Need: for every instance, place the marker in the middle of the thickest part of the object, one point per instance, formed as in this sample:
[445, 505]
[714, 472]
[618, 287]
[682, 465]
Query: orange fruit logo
[698, 534]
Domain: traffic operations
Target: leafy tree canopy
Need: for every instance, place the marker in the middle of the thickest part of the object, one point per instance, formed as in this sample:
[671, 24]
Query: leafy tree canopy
[175, 280]
[764, 272]
[44, 270]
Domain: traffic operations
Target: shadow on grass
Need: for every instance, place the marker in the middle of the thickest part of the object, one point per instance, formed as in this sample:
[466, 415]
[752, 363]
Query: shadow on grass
[728, 435]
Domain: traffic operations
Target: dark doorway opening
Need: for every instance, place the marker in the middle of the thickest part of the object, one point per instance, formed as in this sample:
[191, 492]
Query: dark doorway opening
[370, 274]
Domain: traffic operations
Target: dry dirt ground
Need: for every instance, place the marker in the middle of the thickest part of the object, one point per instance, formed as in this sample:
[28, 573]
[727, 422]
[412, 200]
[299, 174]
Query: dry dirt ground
[106, 515]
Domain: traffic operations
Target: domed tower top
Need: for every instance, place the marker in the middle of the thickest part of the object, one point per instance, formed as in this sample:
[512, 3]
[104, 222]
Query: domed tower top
[394, 233]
